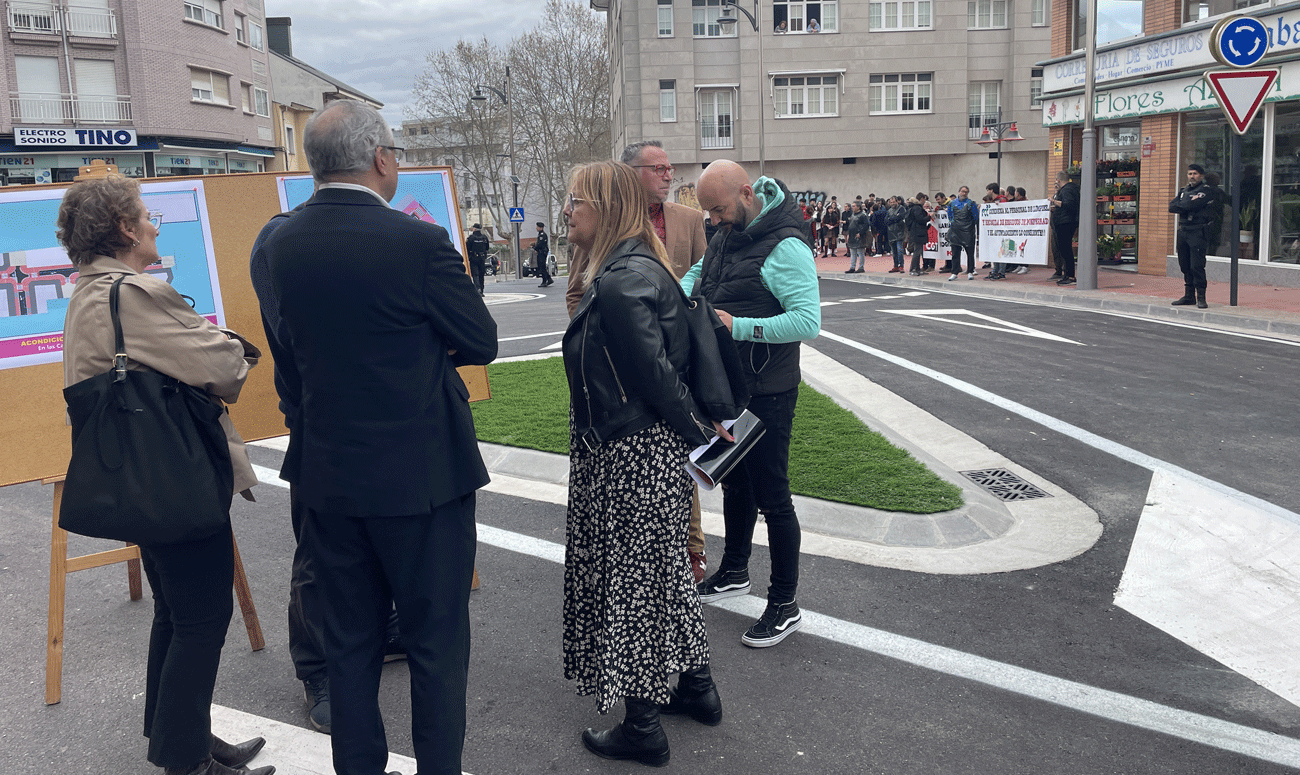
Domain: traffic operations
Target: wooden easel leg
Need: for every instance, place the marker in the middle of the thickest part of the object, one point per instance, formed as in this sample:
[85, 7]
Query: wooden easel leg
[474, 584]
[246, 606]
[133, 578]
[58, 584]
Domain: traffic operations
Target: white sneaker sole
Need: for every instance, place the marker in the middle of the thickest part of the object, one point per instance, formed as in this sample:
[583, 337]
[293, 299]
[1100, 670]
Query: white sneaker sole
[762, 643]
[732, 590]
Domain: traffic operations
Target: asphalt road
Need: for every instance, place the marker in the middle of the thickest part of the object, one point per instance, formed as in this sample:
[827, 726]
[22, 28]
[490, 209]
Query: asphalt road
[1220, 406]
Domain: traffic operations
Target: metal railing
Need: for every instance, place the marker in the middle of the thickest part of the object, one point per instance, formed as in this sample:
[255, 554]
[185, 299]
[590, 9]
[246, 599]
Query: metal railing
[977, 121]
[91, 22]
[716, 134]
[42, 18]
[34, 108]
[33, 17]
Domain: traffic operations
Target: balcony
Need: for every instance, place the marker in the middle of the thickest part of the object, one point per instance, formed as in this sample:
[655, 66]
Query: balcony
[715, 134]
[33, 17]
[91, 22]
[33, 108]
[977, 121]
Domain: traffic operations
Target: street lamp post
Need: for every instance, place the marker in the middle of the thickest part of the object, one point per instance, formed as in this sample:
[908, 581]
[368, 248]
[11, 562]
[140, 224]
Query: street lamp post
[479, 96]
[999, 132]
[725, 21]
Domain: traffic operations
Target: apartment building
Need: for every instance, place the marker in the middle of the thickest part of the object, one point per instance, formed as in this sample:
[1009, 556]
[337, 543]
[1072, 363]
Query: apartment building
[157, 87]
[835, 97]
[1155, 112]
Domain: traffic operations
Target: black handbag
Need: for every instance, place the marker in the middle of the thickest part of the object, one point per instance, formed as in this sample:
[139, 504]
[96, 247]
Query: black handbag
[150, 462]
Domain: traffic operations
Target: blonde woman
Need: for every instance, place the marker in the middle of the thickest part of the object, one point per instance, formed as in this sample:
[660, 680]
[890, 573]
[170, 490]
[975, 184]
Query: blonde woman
[631, 613]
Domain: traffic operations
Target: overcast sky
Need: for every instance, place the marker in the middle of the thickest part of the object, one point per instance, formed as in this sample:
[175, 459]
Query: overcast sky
[378, 46]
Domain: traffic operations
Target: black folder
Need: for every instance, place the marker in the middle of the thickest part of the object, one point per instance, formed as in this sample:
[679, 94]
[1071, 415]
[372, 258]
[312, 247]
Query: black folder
[710, 463]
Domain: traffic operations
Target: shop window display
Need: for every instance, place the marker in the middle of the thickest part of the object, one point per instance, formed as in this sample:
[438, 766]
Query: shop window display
[1284, 231]
[1207, 140]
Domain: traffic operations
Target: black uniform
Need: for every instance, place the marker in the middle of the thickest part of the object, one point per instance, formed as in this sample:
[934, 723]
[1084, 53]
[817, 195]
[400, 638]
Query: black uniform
[543, 248]
[1190, 204]
[477, 245]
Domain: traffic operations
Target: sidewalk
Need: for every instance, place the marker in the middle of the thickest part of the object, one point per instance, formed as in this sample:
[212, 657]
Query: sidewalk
[1260, 309]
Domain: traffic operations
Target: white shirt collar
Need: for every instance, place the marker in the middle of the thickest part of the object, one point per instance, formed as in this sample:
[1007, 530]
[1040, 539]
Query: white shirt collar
[354, 187]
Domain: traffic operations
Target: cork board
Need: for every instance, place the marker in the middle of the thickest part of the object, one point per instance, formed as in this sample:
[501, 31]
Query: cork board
[34, 437]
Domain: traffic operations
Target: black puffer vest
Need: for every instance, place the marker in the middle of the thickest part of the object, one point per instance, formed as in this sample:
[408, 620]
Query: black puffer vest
[730, 279]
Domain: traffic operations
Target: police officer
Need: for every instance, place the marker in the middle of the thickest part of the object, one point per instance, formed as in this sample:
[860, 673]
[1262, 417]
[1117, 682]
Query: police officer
[477, 245]
[1190, 204]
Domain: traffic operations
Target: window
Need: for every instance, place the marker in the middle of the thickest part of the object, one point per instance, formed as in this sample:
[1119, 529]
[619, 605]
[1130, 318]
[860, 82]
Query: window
[983, 108]
[704, 24]
[901, 93]
[246, 97]
[900, 15]
[1196, 10]
[667, 101]
[96, 90]
[797, 13]
[986, 14]
[665, 18]
[205, 11]
[240, 35]
[807, 95]
[262, 102]
[207, 86]
[1036, 87]
[1116, 19]
[290, 145]
[39, 90]
[255, 36]
[1038, 13]
[715, 119]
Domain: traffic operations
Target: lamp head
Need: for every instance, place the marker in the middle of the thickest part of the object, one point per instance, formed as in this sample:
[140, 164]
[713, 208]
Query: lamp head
[985, 138]
[479, 96]
[1012, 134]
[726, 20]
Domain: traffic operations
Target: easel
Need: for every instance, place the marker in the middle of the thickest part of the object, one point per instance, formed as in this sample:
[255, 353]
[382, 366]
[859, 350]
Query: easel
[61, 565]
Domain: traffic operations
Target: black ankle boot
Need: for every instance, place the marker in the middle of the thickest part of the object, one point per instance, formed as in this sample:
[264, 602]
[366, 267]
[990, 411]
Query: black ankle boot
[696, 696]
[236, 756]
[1200, 299]
[1189, 297]
[639, 738]
[213, 767]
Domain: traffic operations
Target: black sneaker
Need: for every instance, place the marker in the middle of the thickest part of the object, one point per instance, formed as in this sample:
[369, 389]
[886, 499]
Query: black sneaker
[778, 621]
[394, 651]
[317, 693]
[724, 584]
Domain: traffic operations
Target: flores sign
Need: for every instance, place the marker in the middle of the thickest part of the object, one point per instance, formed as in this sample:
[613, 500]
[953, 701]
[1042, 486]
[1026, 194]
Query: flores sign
[59, 136]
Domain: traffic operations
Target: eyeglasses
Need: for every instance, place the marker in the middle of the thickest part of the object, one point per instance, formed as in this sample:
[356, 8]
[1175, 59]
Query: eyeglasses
[156, 218]
[399, 152]
[659, 169]
[575, 201]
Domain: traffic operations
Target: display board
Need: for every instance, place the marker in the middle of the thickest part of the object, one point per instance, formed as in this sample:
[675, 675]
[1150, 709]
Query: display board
[1015, 232]
[209, 225]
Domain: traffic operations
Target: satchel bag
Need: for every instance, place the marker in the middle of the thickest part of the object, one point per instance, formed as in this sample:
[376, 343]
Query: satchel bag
[150, 462]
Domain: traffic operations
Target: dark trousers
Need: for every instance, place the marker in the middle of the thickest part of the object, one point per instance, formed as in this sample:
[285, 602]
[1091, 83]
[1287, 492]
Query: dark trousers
[542, 271]
[192, 606]
[424, 565]
[306, 611]
[957, 248]
[1191, 257]
[476, 269]
[1063, 241]
[918, 252]
[762, 482]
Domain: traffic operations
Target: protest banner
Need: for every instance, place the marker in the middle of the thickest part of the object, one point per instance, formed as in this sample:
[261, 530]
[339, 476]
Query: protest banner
[1015, 232]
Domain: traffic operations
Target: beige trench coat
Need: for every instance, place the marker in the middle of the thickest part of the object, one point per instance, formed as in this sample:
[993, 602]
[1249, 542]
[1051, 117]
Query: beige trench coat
[162, 333]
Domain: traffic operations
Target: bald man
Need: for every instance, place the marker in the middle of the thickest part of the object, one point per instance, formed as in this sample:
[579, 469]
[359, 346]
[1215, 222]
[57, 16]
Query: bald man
[681, 229]
[760, 275]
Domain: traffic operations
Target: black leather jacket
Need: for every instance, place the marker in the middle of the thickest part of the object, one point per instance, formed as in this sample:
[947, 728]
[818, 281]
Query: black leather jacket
[625, 352]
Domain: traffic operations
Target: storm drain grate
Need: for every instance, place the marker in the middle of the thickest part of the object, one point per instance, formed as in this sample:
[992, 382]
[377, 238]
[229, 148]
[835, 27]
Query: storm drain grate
[1005, 485]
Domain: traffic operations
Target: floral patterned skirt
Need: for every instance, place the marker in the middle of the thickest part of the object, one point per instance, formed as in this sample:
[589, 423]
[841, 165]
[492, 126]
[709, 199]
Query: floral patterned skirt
[631, 613]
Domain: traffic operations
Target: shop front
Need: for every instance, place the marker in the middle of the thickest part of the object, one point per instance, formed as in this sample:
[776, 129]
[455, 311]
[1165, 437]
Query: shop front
[34, 164]
[1155, 125]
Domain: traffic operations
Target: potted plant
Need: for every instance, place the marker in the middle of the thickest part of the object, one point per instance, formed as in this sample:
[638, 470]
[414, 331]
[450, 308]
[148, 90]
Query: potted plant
[1108, 247]
[1247, 224]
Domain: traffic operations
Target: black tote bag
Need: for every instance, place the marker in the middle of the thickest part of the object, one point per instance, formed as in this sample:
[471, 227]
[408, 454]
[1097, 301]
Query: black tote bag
[150, 462]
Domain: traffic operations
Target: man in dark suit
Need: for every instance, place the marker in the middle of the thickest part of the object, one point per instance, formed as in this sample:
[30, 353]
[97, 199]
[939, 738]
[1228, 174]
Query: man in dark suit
[377, 312]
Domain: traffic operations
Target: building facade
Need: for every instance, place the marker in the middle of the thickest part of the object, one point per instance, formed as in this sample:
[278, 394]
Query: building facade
[157, 87]
[1156, 114]
[837, 97]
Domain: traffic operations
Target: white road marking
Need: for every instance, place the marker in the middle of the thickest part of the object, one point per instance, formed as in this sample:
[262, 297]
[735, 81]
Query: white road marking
[1116, 449]
[830, 304]
[555, 346]
[1106, 704]
[853, 301]
[530, 336]
[292, 749]
[915, 293]
[1003, 326]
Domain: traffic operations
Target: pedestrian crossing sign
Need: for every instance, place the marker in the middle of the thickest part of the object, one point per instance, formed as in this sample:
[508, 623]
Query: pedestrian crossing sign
[516, 215]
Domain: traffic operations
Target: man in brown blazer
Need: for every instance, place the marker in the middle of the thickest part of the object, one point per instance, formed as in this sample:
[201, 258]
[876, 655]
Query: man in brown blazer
[682, 230]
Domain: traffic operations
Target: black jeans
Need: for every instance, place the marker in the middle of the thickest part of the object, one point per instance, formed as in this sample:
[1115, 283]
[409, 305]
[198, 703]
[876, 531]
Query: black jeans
[1063, 241]
[192, 606]
[423, 564]
[957, 248]
[542, 271]
[762, 482]
[1191, 246]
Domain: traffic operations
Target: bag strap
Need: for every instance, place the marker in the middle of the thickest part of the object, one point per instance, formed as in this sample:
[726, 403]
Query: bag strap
[119, 343]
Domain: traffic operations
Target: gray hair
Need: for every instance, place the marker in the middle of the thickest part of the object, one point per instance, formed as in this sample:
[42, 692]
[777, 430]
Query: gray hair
[342, 139]
[633, 151]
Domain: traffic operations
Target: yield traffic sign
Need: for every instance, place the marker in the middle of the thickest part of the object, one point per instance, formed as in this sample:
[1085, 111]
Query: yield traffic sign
[1240, 93]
